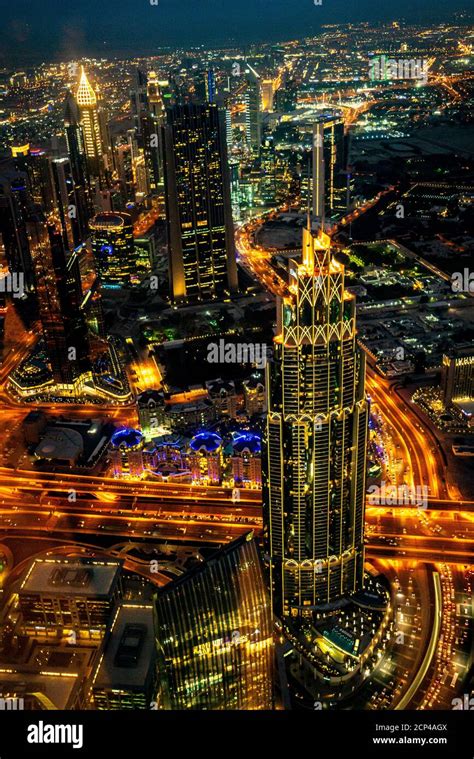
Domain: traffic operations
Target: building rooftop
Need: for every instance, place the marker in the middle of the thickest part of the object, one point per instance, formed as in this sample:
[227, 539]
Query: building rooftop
[79, 577]
[132, 636]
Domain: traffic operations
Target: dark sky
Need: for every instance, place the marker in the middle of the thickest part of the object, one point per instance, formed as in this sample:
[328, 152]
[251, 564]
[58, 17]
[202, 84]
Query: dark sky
[32, 30]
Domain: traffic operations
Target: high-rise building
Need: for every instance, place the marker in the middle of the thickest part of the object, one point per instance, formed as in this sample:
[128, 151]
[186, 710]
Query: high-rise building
[329, 158]
[287, 96]
[154, 96]
[214, 634]
[34, 163]
[139, 98]
[199, 214]
[267, 184]
[59, 293]
[113, 248]
[15, 208]
[316, 437]
[78, 160]
[253, 115]
[210, 83]
[268, 89]
[457, 376]
[69, 203]
[87, 102]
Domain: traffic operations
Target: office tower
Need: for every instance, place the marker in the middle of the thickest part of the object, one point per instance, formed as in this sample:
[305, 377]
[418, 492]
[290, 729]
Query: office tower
[286, 97]
[139, 98]
[210, 83]
[214, 634]
[59, 293]
[457, 375]
[15, 209]
[86, 100]
[78, 159]
[152, 139]
[267, 185]
[199, 215]
[113, 248]
[234, 175]
[329, 168]
[316, 437]
[228, 126]
[147, 103]
[268, 86]
[69, 203]
[156, 105]
[33, 163]
[253, 116]
[75, 594]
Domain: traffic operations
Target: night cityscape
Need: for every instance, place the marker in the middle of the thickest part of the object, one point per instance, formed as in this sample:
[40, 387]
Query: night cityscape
[237, 364]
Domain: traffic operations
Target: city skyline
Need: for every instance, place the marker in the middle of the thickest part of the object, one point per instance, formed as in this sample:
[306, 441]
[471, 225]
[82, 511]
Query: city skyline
[237, 362]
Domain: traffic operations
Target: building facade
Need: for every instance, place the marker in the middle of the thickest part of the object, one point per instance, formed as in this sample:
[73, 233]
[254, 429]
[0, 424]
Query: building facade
[214, 634]
[199, 215]
[316, 436]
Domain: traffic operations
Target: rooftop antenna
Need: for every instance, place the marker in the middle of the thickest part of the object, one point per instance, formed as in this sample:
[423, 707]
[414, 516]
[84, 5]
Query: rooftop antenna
[309, 196]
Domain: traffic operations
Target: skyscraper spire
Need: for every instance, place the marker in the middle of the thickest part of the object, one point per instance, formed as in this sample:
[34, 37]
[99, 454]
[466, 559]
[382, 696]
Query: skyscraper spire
[85, 92]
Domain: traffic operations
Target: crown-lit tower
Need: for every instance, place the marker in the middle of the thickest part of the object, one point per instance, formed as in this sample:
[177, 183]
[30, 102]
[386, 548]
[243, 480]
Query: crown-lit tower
[86, 100]
[316, 437]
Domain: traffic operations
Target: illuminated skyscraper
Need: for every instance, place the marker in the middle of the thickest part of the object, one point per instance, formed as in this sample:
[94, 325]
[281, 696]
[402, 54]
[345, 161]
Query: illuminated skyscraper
[113, 248]
[155, 97]
[329, 168]
[214, 634]
[15, 206]
[287, 96]
[69, 203]
[316, 437]
[78, 160]
[199, 214]
[86, 100]
[210, 82]
[253, 115]
[139, 98]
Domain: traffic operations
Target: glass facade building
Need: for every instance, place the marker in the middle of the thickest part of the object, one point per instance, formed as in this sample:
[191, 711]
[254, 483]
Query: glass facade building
[214, 634]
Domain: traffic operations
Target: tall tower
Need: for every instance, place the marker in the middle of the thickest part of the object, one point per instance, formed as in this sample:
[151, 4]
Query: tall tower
[58, 289]
[316, 437]
[253, 115]
[199, 212]
[86, 100]
[78, 160]
[329, 168]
